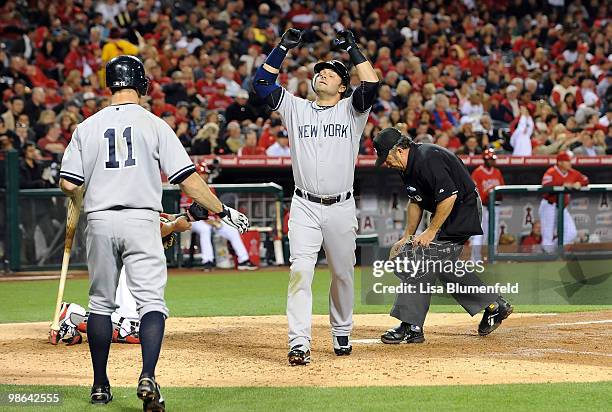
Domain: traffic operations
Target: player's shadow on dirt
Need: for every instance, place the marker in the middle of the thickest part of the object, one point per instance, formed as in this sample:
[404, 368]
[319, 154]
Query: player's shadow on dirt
[232, 345]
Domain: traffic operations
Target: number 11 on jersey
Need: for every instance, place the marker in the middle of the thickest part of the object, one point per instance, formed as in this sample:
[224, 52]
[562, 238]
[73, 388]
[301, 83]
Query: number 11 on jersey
[111, 136]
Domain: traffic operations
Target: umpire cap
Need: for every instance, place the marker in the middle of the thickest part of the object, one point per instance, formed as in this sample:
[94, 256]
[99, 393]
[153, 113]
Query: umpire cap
[338, 67]
[126, 72]
[384, 142]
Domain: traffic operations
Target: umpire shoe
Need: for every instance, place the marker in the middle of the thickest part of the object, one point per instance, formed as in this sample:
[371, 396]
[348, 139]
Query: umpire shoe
[405, 332]
[493, 316]
[101, 394]
[342, 346]
[148, 392]
[297, 356]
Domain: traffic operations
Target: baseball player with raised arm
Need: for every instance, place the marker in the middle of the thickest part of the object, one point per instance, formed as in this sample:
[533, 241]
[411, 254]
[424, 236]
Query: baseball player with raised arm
[324, 139]
[486, 177]
[562, 174]
[116, 157]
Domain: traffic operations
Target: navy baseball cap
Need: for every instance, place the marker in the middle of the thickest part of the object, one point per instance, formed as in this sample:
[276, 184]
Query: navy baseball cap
[384, 142]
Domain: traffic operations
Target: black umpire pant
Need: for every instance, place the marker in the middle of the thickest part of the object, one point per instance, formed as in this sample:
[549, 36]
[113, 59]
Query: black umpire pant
[413, 307]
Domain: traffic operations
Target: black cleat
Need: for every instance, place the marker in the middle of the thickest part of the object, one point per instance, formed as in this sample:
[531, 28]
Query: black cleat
[298, 357]
[101, 394]
[208, 266]
[342, 346]
[405, 332]
[148, 392]
[493, 316]
[247, 265]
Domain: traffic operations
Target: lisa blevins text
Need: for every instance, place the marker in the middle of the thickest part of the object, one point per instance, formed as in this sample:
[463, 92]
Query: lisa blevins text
[416, 268]
[504, 289]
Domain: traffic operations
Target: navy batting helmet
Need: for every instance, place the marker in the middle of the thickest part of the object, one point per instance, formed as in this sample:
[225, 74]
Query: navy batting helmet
[338, 67]
[126, 72]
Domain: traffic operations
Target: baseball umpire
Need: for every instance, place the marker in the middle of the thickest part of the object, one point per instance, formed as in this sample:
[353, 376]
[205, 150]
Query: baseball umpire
[115, 156]
[324, 138]
[436, 181]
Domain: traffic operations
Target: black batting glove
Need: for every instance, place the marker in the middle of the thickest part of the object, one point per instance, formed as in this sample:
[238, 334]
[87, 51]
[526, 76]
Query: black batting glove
[291, 38]
[344, 40]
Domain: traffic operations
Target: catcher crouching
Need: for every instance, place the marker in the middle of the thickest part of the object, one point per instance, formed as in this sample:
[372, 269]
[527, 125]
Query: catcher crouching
[126, 324]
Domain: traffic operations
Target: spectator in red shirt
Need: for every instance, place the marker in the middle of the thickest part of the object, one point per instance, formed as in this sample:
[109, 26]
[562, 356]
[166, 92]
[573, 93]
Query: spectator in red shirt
[90, 104]
[532, 242]
[219, 101]
[268, 137]
[159, 105]
[53, 142]
[207, 86]
[250, 147]
[68, 124]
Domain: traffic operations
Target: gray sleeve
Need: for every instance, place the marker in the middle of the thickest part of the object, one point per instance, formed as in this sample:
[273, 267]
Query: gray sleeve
[72, 161]
[173, 158]
[286, 104]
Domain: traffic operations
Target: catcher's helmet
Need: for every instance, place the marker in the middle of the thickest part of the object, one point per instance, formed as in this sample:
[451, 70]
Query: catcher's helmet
[202, 168]
[126, 72]
[489, 154]
[338, 67]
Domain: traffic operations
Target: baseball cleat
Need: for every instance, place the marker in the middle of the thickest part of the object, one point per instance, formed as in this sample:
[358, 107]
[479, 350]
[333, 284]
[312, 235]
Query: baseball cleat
[405, 332]
[493, 316]
[208, 266]
[101, 394]
[298, 356]
[247, 265]
[342, 346]
[148, 391]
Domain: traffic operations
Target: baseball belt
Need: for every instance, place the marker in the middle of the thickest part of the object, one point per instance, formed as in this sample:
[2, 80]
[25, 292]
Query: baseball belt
[323, 200]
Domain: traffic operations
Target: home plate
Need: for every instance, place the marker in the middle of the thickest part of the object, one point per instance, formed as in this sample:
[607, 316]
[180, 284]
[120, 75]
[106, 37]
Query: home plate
[366, 341]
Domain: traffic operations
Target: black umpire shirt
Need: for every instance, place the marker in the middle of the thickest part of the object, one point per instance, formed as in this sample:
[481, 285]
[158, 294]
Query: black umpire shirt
[433, 174]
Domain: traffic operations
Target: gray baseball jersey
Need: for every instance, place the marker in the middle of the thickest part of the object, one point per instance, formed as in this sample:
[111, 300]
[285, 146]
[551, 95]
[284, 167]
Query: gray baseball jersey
[324, 143]
[118, 152]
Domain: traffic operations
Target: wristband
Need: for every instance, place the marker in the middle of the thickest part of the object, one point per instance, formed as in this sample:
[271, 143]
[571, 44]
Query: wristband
[276, 57]
[355, 54]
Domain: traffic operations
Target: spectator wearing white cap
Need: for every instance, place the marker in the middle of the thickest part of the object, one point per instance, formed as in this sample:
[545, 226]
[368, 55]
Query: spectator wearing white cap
[511, 100]
[240, 110]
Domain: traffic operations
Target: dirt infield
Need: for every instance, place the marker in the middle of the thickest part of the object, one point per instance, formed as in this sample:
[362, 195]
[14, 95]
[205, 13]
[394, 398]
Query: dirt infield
[251, 351]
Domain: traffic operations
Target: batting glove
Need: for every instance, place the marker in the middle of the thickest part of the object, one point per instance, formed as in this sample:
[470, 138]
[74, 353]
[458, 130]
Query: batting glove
[345, 40]
[234, 218]
[291, 39]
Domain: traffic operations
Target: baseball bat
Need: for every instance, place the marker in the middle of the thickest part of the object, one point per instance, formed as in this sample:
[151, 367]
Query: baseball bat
[278, 243]
[72, 219]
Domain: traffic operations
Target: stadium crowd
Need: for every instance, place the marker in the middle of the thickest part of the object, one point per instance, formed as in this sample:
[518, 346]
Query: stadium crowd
[522, 76]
